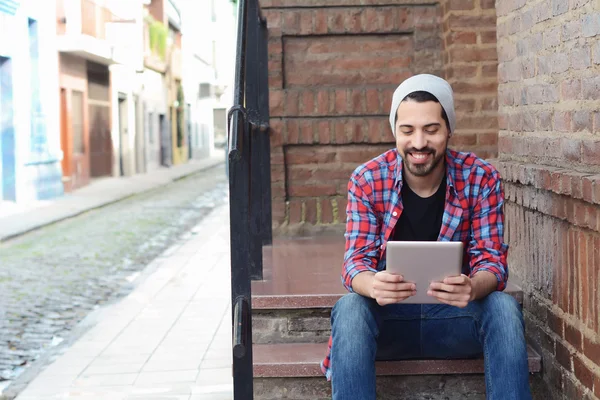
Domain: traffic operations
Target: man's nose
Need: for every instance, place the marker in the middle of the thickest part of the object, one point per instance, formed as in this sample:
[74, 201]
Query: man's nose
[419, 140]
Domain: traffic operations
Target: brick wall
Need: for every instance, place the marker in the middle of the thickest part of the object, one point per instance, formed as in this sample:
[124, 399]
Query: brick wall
[471, 64]
[333, 67]
[549, 157]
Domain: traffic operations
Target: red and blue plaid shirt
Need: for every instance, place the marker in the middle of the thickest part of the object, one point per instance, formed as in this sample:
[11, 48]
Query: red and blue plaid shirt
[473, 214]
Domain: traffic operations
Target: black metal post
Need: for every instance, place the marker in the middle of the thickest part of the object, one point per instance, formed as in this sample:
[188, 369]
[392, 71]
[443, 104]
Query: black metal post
[263, 141]
[239, 212]
[254, 93]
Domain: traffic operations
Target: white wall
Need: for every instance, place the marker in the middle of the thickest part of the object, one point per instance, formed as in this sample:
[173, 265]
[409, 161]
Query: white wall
[209, 57]
[14, 43]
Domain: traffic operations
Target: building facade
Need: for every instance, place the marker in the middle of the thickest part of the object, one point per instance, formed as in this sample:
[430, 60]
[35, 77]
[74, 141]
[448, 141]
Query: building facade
[30, 150]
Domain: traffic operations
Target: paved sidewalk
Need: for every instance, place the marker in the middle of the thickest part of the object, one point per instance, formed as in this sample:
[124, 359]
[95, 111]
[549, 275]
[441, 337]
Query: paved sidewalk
[169, 339]
[16, 220]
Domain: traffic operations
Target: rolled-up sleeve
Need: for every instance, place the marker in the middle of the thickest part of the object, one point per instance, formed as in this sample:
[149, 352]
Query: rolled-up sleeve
[487, 249]
[362, 231]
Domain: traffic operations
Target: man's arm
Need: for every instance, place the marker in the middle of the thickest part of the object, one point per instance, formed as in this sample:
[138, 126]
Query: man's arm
[362, 232]
[486, 251]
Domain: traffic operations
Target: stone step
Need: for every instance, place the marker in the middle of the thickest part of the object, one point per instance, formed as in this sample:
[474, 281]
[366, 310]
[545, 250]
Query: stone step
[292, 371]
[301, 283]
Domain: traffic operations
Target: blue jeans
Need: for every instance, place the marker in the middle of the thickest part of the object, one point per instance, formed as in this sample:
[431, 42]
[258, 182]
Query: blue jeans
[364, 331]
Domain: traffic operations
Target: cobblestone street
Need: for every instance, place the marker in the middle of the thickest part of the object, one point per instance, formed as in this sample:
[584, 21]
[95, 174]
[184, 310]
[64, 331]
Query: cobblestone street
[52, 278]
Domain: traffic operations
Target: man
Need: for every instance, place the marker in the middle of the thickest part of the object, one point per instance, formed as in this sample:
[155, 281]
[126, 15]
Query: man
[423, 191]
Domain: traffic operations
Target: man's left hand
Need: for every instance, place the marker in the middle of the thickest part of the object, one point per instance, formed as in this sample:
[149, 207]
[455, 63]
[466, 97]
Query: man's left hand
[455, 290]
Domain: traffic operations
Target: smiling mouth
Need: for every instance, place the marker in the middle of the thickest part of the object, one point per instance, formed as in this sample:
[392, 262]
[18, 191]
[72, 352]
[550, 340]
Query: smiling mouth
[419, 157]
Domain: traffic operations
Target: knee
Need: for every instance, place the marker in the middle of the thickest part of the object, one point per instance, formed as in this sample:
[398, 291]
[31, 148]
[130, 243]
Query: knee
[504, 309]
[350, 310]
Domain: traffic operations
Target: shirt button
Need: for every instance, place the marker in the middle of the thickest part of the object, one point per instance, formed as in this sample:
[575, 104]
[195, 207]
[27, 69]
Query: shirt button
[381, 247]
[395, 214]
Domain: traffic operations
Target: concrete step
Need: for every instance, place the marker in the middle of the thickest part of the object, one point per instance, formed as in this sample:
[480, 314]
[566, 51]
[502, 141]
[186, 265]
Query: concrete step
[292, 371]
[292, 304]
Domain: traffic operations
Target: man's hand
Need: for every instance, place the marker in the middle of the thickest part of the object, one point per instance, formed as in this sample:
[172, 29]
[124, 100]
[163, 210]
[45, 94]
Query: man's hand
[455, 290]
[389, 288]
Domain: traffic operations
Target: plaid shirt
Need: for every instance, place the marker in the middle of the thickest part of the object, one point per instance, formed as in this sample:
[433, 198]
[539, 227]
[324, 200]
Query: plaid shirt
[473, 214]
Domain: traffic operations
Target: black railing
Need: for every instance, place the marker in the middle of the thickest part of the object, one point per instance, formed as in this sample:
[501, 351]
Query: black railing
[249, 183]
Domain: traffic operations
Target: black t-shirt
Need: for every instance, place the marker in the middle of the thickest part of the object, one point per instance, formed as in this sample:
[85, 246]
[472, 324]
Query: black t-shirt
[421, 218]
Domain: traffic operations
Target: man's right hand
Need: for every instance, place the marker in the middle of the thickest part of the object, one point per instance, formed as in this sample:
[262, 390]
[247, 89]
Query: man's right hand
[387, 288]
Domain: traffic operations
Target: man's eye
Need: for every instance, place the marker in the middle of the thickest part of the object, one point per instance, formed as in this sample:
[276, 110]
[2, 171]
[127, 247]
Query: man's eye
[406, 132]
[432, 130]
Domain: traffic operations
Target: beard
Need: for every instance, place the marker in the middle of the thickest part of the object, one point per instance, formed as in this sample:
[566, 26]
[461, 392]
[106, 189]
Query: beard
[422, 169]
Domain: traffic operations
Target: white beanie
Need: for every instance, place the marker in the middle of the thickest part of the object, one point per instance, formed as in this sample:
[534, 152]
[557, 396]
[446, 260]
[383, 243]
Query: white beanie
[426, 83]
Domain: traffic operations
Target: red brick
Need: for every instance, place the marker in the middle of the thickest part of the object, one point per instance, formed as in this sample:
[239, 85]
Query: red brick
[582, 120]
[597, 386]
[322, 102]
[465, 139]
[306, 22]
[306, 132]
[340, 102]
[562, 121]
[471, 21]
[571, 149]
[461, 37]
[372, 20]
[291, 22]
[335, 21]
[461, 72]
[529, 119]
[591, 152]
[563, 356]
[473, 54]
[573, 336]
[310, 211]
[545, 120]
[292, 131]
[342, 203]
[324, 131]
[291, 102]
[487, 4]
[307, 103]
[326, 211]
[583, 373]
[555, 323]
[352, 20]
[486, 139]
[295, 211]
[278, 211]
[357, 101]
[488, 37]
[372, 100]
[307, 190]
[276, 103]
[460, 5]
[302, 155]
[320, 23]
[464, 105]
[570, 89]
[489, 71]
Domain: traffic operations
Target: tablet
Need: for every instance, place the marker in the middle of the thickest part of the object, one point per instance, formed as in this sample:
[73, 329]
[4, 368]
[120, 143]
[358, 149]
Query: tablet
[423, 263]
